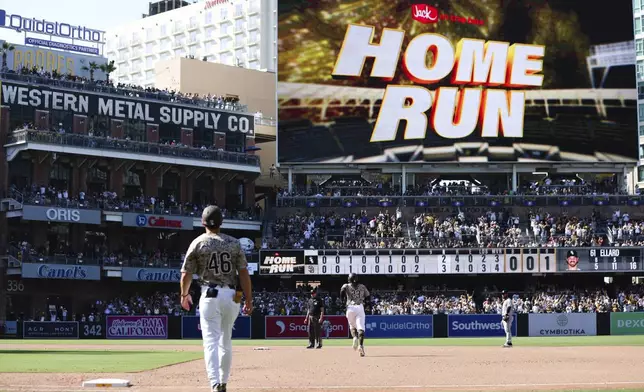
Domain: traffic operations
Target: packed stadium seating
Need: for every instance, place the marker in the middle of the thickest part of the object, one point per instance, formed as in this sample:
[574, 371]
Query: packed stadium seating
[39, 76]
[430, 301]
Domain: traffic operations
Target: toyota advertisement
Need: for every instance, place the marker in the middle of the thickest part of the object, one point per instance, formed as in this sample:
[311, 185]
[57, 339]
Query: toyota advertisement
[377, 81]
[293, 327]
[477, 325]
[420, 326]
[191, 327]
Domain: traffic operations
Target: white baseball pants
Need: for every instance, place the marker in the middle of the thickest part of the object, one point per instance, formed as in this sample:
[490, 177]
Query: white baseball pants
[217, 317]
[507, 327]
[356, 317]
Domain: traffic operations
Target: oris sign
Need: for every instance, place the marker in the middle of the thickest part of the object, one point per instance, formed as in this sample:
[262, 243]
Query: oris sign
[63, 215]
[167, 222]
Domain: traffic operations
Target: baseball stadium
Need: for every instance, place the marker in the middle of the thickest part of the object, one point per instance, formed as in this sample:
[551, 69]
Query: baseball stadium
[500, 250]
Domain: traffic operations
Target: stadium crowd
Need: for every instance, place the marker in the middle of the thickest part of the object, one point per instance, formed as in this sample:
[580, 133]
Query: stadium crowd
[547, 186]
[388, 230]
[108, 200]
[41, 76]
[431, 301]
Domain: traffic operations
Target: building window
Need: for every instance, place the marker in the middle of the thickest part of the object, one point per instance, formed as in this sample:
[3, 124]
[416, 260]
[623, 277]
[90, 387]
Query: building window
[224, 13]
[640, 70]
[209, 32]
[208, 17]
[193, 21]
[239, 39]
[179, 52]
[224, 28]
[253, 36]
[226, 58]
[149, 62]
[641, 111]
[638, 25]
[639, 47]
[239, 24]
[239, 10]
[149, 47]
[163, 30]
[193, 36]
[641, 130]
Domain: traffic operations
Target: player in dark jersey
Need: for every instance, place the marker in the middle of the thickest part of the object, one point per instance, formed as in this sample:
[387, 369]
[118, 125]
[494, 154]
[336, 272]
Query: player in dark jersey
[219, 262]
[356, 296]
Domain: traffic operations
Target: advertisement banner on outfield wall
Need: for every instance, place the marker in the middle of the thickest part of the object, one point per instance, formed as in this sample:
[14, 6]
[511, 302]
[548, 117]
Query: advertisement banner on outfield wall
[137, 327]
[92, 330]
[293, 327]
[50, 330]
[627, 323]
[477, 325]
[191, 328]
[403, 326]
[562, 324]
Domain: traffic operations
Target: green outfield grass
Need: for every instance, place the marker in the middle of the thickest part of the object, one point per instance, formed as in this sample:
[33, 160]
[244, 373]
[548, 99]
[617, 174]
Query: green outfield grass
[89, 361]
[632, 340]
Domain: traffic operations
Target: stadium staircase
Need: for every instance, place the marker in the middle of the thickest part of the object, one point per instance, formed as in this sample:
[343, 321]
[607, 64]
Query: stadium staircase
[12, 205]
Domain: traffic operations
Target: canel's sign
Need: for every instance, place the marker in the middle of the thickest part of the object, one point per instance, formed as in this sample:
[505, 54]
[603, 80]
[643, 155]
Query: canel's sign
[21, 24]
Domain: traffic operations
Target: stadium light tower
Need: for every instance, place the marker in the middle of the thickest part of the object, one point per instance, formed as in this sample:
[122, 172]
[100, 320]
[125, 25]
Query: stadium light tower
[607, 56]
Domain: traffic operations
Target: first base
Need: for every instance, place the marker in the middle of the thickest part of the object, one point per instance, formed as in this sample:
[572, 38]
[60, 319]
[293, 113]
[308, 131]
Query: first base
[107, 383]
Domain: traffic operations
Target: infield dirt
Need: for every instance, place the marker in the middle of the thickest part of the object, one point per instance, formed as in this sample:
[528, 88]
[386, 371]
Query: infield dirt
[295, 369]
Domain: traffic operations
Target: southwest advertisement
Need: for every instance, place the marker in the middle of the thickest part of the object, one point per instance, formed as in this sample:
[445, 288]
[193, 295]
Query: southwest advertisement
[402, 326]
[397, 81]
[477, 325]
[137, 327]
[293, 327]
[562, 324]
[50, 330]
[627, 323]
[191, 328]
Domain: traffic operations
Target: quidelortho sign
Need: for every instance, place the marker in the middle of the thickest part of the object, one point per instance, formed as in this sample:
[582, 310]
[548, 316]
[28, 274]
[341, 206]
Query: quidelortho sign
[57, 29]
[60, 214]
[131, 274]
[61, 271]
[627, 323]
[167, 222]
[403, 326]
[87, 103]
[61, 61]
[477, 325]
[562, 324]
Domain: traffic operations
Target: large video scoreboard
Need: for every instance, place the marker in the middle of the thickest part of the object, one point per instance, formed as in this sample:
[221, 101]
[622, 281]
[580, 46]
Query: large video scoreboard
[450, 261]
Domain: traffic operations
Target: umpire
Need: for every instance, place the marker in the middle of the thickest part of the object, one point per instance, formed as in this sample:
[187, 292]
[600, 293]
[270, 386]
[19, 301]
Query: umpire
[314, 316]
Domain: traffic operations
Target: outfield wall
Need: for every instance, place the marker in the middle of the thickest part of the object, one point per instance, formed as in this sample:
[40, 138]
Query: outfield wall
[293, 327]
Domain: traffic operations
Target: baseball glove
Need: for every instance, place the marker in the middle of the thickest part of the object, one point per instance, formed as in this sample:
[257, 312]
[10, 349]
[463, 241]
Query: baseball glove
[506, 318]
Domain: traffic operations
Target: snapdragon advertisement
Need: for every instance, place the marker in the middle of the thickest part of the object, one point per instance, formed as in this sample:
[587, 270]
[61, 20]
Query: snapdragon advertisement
[401, 81]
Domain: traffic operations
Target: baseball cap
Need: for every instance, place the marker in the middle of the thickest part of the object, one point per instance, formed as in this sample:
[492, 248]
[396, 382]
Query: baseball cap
[572, 253]
[212, 217]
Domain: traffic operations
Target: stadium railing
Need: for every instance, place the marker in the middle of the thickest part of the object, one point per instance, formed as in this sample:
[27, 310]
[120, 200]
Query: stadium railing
[128, 146]
[98, 87]
[172, 262]
[458, 201]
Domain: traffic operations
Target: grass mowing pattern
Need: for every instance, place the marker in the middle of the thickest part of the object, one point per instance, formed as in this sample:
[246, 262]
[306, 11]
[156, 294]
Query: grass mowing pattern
[89, 361]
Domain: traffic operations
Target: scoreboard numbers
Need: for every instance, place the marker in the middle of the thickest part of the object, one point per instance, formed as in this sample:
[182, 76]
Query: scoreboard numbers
[472, 261]
[530, 261]
[547, 260]
[513, 261]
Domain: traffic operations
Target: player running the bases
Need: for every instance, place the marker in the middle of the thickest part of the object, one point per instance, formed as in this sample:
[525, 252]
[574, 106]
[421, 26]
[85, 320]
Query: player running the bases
[219, 261]
[355, 296]
[507, 314]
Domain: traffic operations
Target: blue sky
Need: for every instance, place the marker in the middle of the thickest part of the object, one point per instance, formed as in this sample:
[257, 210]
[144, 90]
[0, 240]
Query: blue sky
[96, 14]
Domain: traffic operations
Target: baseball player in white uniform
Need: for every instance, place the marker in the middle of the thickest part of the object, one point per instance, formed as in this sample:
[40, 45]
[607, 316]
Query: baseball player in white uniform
[356, 296]
[507, 316]
[219, 261]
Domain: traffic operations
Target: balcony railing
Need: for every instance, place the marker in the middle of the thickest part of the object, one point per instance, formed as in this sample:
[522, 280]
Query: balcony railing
[458, 201]
[100, 87]
[128, 146]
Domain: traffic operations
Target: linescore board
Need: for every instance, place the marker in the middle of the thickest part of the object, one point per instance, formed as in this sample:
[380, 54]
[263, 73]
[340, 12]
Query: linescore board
[434, 261]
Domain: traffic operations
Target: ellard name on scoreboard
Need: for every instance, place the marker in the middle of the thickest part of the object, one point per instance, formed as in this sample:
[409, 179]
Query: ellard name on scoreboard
[456, 261]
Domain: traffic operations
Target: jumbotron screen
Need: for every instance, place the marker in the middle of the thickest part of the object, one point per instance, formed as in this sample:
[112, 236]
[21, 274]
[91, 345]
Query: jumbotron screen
[376, 81]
